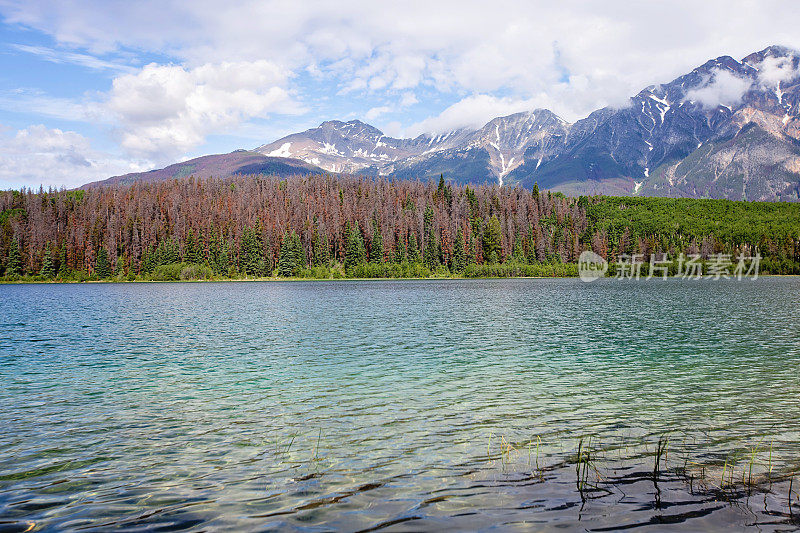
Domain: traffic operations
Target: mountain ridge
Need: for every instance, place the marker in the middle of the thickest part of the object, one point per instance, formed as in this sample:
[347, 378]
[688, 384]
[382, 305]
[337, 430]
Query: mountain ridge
[650, 146]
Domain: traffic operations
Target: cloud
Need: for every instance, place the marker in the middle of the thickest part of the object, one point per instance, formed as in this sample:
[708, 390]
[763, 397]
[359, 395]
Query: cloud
[774, 70]
[513, 48]
[36, 101]
[722, 88]
[38, 155]
[375, 112]
[166, 110]
[475, 61]
[472, 112]
[62, 56]
[408, 99]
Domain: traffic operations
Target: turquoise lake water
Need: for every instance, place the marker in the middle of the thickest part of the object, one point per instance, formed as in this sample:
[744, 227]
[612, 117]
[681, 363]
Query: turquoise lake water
[407, 405]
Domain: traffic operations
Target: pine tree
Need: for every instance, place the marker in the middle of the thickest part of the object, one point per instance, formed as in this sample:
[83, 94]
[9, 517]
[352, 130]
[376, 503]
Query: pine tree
[431, 252]
[376, 248]
[48, 268]
[535, 191]
[472, 251]
[355, 254]
[290, 259]
[322, 250]
[191, 249]
[413, 248]
[400, 250]
[492, 240]
[252, 258]
[63, 269]
[14, 264]
[459, 256]
[102, 266]
[518, 252]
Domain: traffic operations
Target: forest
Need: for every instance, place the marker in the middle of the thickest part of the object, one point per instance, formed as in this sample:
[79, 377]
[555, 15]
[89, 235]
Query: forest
[348, 227]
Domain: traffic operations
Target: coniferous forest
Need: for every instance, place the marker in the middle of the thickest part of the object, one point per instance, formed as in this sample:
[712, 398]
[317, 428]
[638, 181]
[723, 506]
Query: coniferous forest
[333, 227]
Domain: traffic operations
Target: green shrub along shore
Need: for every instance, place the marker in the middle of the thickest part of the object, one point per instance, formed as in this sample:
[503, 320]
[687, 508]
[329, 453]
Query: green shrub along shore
[331, 227]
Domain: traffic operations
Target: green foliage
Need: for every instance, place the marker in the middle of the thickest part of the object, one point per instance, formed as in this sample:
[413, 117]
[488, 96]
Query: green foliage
[513, 269]
[291, 257]
[252, 253]
[400, 251]
[8, 214]
[535, 190]
[413, 249]
[169, 272]
[63, 268]
[48, 270]
[102, 266]
[376, 247]
[194, 271]
[729, 221]
[492, 240]
[389, 270]
[459, 254]
[14, 263]
[192, 250]
[355, 253]
[431, 251]
[321, 249]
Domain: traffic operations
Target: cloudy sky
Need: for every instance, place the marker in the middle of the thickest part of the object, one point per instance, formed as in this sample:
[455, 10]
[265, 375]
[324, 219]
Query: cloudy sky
[90, 89]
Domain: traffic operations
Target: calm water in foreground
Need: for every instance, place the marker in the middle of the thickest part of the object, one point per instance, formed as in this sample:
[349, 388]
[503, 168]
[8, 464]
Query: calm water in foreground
[411, 405]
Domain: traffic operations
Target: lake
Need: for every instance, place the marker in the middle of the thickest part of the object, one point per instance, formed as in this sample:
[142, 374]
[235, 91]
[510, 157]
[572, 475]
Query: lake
[400, 405]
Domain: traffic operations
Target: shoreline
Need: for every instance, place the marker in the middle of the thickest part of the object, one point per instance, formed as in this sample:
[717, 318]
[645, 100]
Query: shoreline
[297, 279]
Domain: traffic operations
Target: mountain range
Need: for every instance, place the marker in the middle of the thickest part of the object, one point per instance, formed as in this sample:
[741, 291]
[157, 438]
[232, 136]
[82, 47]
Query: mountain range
[727, 129]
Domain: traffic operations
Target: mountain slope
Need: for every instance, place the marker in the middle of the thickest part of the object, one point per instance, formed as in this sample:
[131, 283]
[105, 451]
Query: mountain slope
[240, 162]
[729, 128]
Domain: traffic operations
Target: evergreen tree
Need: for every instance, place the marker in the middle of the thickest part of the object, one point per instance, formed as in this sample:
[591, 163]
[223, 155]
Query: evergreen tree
[355, 254]
[48, 268]
[530, 256]
[459, 256]
[535, 191]
[492, 240]
[518, 253]
[14, 263]
[413, 248]
[191, 249]
[63, 269]
[431, 252]
[251, 253]
[472, 251]
[322, 250]
[102, 266]
[376, 248]
[289, 261]
[400, 254]
[223, 262]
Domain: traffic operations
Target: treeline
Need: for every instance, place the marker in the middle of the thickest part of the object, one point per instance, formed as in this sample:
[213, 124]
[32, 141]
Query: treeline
[324, 226]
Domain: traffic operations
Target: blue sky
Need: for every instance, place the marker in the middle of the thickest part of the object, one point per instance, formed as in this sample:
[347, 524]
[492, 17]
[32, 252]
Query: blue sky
[90, 89]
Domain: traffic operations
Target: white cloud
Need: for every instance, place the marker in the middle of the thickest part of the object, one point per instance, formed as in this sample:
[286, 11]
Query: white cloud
[165, 110]
[38, 155]
[722, 88]
[513, 47]
[408, 99]
[64, 56]
[36, 101]
[774, 70]
[375, 112]
[472, 112]
[243, 59]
